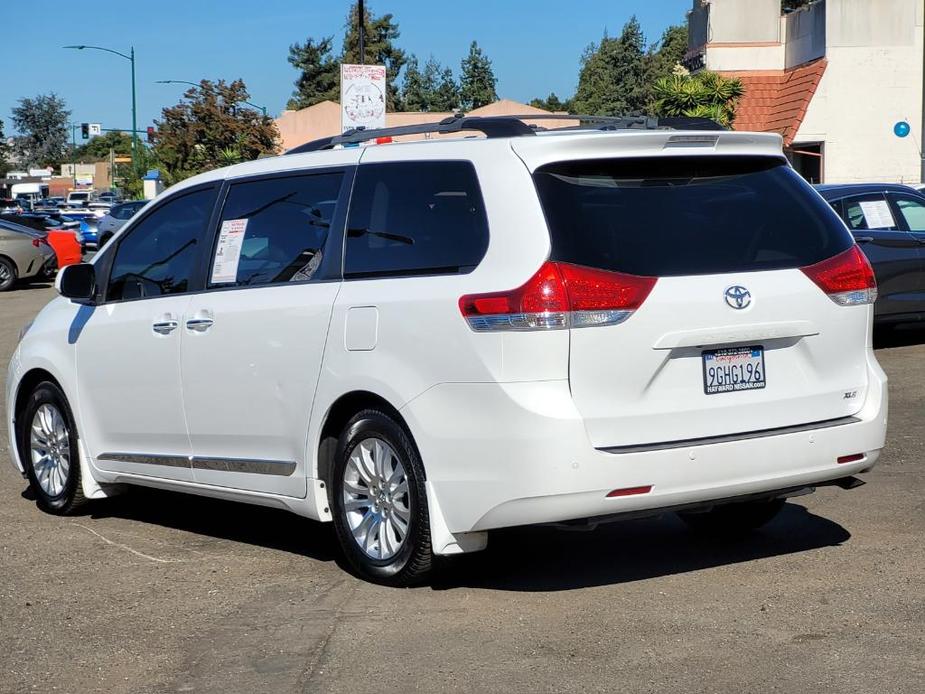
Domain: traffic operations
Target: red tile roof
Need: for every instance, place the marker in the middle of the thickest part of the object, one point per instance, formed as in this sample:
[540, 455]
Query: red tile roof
[776, 100]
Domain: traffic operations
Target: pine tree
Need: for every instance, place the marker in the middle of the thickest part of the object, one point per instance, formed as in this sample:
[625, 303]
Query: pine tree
[320, 72]
[477, 84]
[551, 103]
[446, 95]
[413, 94]
[613, 75]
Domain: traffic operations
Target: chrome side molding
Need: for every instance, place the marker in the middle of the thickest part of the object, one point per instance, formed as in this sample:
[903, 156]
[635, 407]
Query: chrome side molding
[283, 468]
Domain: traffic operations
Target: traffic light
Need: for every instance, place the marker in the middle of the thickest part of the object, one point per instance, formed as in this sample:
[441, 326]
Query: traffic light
[85, 131]
[150, 133]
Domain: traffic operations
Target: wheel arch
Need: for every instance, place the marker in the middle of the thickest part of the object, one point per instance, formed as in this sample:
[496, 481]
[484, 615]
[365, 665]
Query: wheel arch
[11, 261]
[336, 418]
[25, 387]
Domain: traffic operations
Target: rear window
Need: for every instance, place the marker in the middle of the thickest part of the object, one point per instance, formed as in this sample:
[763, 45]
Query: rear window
[415, 218]
[670, 216]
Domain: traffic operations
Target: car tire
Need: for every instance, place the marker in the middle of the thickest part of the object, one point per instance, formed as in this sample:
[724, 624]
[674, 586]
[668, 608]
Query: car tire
[7, 274]
[733, 520]
[49, 450]
[379, 501]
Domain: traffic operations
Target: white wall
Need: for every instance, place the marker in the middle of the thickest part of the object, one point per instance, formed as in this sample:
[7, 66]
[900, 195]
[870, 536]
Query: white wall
[738, 21]
[742, 58]
[866, 89]
[805, 34]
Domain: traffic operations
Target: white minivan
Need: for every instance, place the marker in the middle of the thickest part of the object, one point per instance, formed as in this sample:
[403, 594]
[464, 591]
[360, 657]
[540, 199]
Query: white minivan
[424, 341]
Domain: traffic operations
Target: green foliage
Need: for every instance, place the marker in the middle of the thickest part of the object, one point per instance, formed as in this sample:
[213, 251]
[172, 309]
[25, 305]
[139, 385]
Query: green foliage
[613, 75]
[42, 122]
[97, 149]
[477, 84]
[664, 56]
[211, 129]
[433, 89]
[319, 78]
[378, 48]
[551, 103]
[791, 5]
[703, 95]
[319, 67]
[4, 152]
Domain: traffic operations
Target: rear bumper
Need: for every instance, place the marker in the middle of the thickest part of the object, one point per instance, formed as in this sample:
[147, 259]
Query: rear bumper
[500, 455]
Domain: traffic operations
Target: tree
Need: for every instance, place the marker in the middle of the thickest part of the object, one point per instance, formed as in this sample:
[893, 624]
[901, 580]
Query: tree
[791, 5]
[703, 95]
[319, 77]
[4, 152]
[551, 103]
[97, 149]
[42, 122]
[211, 129]
[378, 48]
[477, 84]
[430, 89]
[663, 57]
[612, 81]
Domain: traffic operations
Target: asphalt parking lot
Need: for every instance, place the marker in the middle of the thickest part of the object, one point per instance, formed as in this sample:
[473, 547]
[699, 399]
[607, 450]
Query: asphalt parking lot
[159, 592]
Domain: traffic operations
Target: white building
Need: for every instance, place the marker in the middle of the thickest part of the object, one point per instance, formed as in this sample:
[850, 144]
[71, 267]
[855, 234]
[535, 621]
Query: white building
[833, 79]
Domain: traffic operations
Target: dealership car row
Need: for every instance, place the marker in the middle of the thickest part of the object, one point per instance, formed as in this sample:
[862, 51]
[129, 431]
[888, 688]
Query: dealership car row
[71, 227]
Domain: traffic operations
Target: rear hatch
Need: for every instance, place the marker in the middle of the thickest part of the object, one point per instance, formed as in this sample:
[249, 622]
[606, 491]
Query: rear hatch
[758, 308]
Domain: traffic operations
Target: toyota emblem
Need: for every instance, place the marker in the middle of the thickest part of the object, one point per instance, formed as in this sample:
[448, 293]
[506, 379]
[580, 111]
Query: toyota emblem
[738, 297]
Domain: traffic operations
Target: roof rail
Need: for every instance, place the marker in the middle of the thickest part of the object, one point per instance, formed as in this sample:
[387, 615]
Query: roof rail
[508, 126]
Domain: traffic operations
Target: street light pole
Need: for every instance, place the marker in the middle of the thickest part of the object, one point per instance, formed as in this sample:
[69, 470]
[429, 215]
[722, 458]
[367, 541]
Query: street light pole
[361, 14]
[131, 59]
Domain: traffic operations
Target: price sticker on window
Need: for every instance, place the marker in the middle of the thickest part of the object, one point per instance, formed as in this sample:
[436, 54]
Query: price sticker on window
[228, 251]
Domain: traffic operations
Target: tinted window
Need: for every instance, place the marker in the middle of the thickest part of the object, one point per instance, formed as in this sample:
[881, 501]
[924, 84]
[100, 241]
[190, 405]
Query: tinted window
[414, 218]
[868, 212]
[912, 211]
[686, 216]
[275, 230]
[161, 253]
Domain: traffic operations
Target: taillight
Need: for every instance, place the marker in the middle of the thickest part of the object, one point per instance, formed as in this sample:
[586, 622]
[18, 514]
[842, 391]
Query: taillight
[559, 296]
[847, 278]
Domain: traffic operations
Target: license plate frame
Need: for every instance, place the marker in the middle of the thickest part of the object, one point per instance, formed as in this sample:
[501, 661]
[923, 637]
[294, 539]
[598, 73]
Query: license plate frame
[743, 368]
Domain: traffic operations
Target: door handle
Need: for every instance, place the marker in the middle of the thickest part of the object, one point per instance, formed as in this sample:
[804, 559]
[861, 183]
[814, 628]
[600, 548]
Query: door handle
[863, 239]
[199, 325]
[164, 327]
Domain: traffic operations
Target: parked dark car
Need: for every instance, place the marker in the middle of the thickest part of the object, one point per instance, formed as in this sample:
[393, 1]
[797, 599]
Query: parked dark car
[888, 223]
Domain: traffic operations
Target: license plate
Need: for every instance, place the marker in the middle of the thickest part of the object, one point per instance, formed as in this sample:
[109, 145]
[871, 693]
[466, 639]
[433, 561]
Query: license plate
[734, 368]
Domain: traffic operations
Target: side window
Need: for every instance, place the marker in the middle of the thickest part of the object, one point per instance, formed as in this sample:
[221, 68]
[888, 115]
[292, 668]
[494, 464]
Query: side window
[161, 253]
[869, 212]
[912, 211]
[415, 218]
[274, 230]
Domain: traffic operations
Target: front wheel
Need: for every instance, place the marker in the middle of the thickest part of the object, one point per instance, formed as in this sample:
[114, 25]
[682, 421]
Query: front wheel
[380, 502]
[7, 274]
[732, 520]
[49, 450]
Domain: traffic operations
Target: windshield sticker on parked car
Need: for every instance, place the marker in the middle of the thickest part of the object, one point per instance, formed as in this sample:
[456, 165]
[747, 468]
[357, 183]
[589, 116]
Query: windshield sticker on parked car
[228, 252]
[877, 214]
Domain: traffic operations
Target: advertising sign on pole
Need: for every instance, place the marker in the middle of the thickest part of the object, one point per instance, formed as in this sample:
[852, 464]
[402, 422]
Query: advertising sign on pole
[362, 96]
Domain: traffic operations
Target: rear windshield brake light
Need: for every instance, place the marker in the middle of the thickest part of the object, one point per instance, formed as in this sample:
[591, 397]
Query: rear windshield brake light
[847, 278]
[559, 296]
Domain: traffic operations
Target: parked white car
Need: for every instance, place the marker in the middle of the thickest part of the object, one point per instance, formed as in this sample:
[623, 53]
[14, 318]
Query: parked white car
[425, 341]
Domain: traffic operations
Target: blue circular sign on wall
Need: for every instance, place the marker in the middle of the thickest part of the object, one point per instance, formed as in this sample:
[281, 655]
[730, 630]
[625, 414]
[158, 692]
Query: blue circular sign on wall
[902, 129]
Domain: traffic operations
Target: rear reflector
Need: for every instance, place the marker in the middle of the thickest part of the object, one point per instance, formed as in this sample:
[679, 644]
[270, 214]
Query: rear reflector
[630, 491]
[850, 458]
[847, 278]
[559, 296]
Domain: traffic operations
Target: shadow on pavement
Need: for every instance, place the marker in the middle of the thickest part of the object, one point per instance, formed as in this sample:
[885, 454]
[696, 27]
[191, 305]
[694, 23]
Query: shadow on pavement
[550, 559]
[540, 558]
[899, 336]
[228, 520]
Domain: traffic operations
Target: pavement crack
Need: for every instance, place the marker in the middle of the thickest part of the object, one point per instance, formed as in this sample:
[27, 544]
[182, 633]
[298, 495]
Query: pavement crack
[320, 650]
[159, 560]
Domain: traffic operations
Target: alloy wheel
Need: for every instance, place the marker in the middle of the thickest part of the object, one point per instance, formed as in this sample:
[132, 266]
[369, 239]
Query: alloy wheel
[50, 448]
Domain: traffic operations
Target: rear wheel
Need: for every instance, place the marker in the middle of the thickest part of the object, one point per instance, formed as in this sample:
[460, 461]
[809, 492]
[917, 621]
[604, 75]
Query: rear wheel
[7, 274]
[49, 451]
[731, 520]
[379, 501]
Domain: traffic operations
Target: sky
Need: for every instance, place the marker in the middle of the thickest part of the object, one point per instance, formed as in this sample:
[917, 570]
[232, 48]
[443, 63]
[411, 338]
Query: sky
[534, 45]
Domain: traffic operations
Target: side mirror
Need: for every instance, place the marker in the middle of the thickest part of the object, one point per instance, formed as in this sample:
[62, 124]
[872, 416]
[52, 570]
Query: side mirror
[77, 281]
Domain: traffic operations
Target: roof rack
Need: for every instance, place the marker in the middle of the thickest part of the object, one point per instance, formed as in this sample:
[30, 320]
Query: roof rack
[508, 126]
